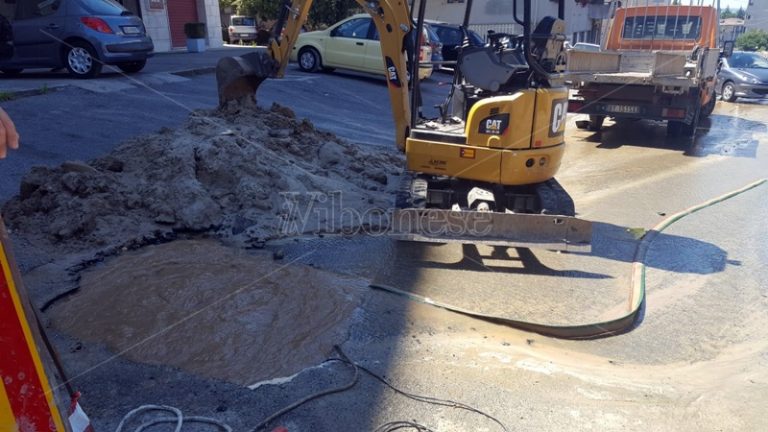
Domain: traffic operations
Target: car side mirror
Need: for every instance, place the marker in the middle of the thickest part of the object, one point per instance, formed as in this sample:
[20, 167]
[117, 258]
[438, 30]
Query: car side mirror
[727, 49]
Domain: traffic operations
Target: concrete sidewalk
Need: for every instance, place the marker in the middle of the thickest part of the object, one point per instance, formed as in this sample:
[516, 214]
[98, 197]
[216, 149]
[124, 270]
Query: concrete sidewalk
[161, 68]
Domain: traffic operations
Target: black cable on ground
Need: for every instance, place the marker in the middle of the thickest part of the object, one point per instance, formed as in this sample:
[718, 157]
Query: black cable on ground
[387, 427]
[293, 406]
[397, 425]
[424, 399]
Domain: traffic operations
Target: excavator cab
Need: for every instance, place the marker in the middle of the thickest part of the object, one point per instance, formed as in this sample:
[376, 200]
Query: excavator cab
[483, 171]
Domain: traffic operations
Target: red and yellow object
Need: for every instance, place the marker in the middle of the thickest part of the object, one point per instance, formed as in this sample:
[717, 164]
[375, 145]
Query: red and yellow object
[27, 401]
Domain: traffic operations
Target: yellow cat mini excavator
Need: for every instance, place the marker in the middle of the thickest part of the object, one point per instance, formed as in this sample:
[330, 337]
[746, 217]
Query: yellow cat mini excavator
[483, 172]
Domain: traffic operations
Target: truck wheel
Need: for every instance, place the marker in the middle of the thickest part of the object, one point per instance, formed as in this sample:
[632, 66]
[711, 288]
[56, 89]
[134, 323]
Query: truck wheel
[678, 128]
[674, 128]
[309, 60]
[688, 130]
[728, 92]
[596, 122]
[707, 109]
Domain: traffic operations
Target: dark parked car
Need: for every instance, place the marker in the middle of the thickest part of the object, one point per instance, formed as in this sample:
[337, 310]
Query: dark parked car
[451, 36]
[743, 74]
[81, 35]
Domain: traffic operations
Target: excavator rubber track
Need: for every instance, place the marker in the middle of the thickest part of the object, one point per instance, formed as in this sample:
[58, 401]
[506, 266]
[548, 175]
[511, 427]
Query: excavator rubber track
[537, 216]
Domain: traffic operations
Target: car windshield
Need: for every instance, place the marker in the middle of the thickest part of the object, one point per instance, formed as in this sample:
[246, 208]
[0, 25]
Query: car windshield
[452, 36]
[244, 21]
[104, 7]
[748, 61]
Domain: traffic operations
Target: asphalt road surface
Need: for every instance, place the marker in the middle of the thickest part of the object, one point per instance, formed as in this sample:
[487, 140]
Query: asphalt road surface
[697, 361]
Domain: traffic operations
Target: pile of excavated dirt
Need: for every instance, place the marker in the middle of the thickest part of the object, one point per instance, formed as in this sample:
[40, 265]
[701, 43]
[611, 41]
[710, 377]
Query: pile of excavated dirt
[212, 310]
[223, 171]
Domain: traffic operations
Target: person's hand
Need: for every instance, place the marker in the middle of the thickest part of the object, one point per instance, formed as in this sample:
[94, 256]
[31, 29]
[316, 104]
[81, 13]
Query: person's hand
[9, 138]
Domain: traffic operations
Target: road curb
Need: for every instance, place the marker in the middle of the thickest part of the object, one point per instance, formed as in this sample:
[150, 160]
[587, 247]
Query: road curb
[12, 95]
[194, 72]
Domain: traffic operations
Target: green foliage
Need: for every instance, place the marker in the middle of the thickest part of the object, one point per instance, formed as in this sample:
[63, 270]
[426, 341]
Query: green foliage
[727, 13]
[327, 12]
[322, 13]
[261, 9]
[753, 40]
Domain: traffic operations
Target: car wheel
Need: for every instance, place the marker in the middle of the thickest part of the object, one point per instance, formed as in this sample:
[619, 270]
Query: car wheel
[11, 71]
[81, 60]
[132, 67]
[309, 60]
[728, 92]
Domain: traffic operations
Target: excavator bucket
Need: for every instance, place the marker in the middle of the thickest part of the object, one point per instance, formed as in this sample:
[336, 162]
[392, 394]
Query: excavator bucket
[238, 78]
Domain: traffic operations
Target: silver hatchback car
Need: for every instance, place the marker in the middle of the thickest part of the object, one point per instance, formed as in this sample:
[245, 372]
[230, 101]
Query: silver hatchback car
[81, 35]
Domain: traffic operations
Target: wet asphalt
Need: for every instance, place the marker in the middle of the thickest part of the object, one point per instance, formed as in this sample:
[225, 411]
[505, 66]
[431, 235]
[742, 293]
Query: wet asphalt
[697, 360]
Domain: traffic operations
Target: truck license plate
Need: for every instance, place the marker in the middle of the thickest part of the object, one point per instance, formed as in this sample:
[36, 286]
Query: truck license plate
[623, 109]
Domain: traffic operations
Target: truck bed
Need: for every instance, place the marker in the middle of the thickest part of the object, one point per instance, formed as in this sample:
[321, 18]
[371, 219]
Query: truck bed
[664, 68]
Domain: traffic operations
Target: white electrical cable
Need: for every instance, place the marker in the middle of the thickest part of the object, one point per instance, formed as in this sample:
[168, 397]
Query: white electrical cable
[179, 419]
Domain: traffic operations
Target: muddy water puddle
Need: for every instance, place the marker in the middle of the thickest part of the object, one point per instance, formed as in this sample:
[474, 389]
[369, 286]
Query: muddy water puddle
[212, 310]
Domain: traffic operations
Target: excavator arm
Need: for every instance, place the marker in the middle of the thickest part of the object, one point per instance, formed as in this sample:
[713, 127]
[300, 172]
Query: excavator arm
[238, 78]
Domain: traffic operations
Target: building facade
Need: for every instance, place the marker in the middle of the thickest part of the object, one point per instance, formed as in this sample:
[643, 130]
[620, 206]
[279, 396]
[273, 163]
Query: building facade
[757, 15]
[165, 19]
[497, 15]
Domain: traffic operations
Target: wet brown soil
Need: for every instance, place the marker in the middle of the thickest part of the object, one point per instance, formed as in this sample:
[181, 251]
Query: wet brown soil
[212, 310]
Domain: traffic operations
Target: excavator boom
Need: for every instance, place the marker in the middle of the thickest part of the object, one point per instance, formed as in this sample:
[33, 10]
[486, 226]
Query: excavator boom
[239, 78]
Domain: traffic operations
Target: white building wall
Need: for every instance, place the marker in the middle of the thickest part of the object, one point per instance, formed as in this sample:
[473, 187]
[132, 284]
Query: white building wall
[156, 23]
[500, 12]
[208, 11]
[757, 15]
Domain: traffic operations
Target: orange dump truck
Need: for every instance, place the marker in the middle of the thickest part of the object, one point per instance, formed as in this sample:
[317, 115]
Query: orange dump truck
[657, 63]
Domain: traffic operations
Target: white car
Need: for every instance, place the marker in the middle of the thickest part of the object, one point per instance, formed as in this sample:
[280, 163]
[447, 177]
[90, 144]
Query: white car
[353, 44]
[241, 29]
